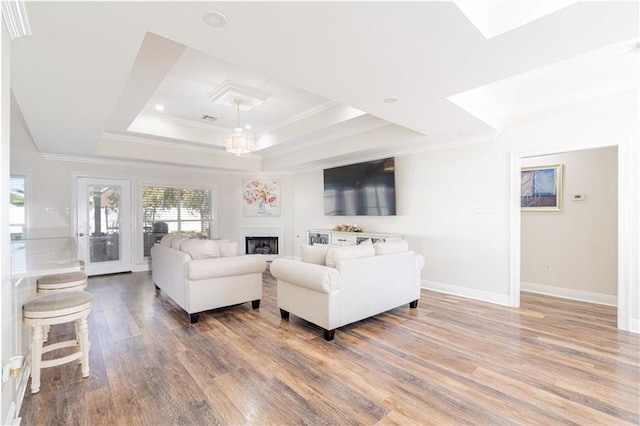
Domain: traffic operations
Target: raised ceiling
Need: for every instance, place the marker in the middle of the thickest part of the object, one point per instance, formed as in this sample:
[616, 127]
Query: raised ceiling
[90, 77]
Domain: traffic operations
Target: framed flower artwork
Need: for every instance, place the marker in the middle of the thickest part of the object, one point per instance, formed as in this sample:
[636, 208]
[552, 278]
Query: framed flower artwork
[261, 197]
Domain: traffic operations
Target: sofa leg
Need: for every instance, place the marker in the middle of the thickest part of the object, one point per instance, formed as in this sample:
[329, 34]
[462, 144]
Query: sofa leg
[157, 288]
[255, 304]
[284, 314]
[413, 304]
[193, 318]
[329, 334]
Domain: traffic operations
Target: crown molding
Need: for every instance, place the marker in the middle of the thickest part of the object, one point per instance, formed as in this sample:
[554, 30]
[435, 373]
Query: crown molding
[137, 163]
[185, 122]
[205, 126]
[184, 145]
[349, 132]
[308, 113]
[470, 140]
[15, 17]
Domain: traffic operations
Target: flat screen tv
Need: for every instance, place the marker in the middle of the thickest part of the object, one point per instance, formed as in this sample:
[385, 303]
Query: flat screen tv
[363, 189]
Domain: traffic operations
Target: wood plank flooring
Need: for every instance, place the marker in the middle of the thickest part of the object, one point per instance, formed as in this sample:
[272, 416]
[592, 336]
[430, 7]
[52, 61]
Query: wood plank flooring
[450, 361]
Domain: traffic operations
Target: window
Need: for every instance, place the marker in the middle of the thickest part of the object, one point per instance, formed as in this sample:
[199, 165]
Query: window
[17, 207]
[171, 210]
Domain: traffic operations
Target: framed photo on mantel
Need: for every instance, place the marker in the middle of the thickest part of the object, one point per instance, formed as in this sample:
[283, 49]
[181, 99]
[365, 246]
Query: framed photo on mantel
[541, 188]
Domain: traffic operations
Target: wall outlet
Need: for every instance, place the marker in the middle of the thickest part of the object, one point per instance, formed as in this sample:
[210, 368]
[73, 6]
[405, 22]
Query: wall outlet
[547, 267]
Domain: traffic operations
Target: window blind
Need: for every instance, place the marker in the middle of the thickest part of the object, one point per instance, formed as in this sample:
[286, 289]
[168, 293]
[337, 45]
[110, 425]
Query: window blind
[168, 210]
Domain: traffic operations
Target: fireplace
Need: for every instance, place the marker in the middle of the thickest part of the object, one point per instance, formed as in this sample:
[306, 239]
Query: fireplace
[261, 245]
[268, 241]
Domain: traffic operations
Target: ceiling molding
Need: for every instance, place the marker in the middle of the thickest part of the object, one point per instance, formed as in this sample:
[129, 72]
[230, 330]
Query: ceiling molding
[470, 140]
[308, 113]
[202, 124]
[154, 165]
[227, 93]
[15, 17]
[124, 162]
[82, 159]
[339, 135]
[186, 145]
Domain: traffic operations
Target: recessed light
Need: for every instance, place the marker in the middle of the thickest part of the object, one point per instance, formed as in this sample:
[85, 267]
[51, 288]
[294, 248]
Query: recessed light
[215, 19]
[247, 126]
[159, 107]
[391, 100]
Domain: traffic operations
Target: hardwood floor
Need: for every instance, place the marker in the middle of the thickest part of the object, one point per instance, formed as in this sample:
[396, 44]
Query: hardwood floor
[450, 361]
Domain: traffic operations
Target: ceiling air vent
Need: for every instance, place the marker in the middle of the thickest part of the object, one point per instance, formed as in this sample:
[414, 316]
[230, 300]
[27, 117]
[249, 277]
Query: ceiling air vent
[209, 118]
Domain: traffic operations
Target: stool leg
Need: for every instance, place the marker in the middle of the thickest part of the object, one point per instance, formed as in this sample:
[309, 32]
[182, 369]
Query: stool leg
[83, 330]
[45, 333]
[36, 358]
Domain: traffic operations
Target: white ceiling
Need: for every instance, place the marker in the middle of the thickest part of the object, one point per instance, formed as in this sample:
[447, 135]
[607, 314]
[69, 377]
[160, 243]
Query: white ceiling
[88, 80]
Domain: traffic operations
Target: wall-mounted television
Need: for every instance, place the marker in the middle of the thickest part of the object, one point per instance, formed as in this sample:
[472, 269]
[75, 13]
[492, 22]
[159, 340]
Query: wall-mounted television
[362, 189]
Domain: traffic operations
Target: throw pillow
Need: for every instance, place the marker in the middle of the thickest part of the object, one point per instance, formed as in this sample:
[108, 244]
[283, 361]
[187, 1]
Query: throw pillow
[177, 242]
[227, 248]
[166, 240]
[348, 252]
[200, 249]
[316, 253]
[391, 247]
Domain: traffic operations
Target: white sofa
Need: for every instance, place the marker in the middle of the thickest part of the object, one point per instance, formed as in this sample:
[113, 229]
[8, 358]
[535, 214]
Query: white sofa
[335, 286]
[200, 275]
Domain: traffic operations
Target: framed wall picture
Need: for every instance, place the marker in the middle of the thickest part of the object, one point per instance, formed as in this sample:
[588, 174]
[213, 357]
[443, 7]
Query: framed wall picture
[541, 188]
[261, 197]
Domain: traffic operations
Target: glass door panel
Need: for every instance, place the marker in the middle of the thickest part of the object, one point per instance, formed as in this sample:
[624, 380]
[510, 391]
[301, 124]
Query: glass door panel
[104, 225]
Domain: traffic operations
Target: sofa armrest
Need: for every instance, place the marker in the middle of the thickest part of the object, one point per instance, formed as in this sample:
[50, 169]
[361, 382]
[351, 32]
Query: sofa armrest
[225, 266]
[315, 277]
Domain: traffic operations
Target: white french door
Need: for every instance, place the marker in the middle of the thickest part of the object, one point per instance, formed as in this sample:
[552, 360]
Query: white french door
[104, 225]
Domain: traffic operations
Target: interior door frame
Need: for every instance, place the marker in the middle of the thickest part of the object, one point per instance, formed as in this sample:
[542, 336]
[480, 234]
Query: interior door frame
[627, 228]
[125, 241]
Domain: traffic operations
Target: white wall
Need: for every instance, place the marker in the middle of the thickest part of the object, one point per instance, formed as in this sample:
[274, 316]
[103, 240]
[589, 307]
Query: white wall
[438, 193]
[579, 242]
[455, 205]
[7, 348]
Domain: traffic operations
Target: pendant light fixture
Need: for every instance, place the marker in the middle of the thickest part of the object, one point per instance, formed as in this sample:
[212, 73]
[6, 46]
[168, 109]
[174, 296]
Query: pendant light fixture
[239, 143]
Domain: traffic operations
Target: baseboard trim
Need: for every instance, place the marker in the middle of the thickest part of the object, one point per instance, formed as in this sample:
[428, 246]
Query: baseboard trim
[567, 293]
[634, 326]
[469, 293]
[141, 267]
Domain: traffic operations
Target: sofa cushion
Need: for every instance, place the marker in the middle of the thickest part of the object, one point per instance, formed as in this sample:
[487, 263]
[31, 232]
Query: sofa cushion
[227, 248]
[336, 254]
[176, 242]
[166, 240]
[390, 247]
[200, 249]
[220, 267]
[316, 253]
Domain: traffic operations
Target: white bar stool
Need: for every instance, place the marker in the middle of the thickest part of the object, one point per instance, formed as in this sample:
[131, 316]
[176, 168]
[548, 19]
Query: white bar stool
[58, 308]
[72, 281]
